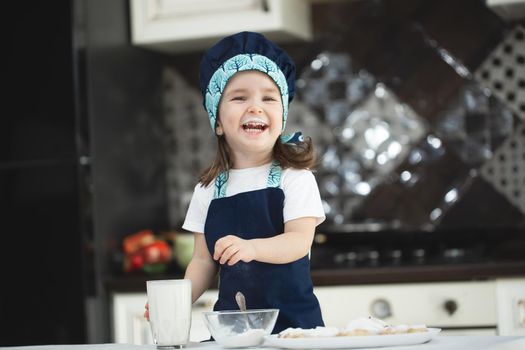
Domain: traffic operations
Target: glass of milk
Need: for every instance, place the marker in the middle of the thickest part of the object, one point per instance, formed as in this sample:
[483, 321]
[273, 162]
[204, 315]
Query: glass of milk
[170, 312]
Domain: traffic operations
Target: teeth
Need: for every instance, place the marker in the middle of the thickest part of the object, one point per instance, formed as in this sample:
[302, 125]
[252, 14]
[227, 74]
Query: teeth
[254, 124]
[254, 121]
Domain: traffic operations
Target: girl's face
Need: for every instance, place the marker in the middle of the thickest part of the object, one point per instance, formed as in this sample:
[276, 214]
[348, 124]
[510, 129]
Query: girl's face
[250, 117]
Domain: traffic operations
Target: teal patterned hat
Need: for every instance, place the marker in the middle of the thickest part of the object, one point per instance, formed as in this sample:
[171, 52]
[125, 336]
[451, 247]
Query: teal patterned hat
[242, 52]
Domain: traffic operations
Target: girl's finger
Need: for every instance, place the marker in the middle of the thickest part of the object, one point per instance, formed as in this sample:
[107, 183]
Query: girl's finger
[228, 253]
[220, 246]
[234, 259]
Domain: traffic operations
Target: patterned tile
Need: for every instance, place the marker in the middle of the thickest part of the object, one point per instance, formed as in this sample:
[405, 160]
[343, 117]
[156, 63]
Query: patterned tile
[476, 124]
[481, 206]
[504, 71]
[506, 170]
[190, 143]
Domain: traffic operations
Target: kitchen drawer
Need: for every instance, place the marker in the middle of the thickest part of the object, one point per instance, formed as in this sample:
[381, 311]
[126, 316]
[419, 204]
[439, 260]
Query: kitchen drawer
[450, 304]
[129, 325]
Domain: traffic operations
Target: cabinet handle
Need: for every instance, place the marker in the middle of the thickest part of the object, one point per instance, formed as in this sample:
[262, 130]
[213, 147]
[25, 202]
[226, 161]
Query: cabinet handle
[521, 312]
[265, 6]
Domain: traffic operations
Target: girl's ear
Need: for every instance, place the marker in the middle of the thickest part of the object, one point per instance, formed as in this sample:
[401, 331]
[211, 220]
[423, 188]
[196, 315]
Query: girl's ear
[218, 129]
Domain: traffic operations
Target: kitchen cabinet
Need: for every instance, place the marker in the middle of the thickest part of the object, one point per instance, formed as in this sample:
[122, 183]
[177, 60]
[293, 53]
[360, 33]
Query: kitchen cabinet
[489, 307]
[510, 10]
[185, 25]
[510, 296]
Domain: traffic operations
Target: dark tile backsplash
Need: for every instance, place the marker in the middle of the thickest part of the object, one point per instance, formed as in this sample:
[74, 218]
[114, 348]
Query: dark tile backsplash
[398, 99]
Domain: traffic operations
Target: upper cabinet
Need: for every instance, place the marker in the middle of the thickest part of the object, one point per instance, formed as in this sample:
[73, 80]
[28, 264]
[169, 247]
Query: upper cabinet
[189, 25]
[510, 10]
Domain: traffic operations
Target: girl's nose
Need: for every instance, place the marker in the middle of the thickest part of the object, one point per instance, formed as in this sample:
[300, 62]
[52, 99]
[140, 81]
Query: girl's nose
[255, 110]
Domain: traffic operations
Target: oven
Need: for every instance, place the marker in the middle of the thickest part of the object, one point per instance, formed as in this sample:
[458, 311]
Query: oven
[453, 282]
[455, 307]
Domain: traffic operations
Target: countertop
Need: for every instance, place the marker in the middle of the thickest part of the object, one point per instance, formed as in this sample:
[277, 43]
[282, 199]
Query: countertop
[367, 275]
[438, 343]
[413, 274]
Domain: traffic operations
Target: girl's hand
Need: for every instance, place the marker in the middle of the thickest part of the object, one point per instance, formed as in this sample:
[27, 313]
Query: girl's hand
[232, 249]
[146, 313]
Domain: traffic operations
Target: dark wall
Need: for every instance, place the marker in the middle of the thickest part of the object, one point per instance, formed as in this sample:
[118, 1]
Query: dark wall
[42, 267]
[124, 102]
[124, 109]
[81, 165]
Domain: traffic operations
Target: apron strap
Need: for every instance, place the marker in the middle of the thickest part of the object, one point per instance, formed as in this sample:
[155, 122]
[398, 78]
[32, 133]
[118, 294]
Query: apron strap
[220, 185]
[274, 180]
[274, 176]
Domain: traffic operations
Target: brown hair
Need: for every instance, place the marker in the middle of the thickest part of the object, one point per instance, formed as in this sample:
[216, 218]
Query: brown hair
[299, 156]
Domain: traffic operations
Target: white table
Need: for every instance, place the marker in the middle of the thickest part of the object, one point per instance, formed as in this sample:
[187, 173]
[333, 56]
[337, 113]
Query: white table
[439, 343]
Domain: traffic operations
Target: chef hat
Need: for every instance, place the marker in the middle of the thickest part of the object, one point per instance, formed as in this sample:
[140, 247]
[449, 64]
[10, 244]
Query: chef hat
[241, 52]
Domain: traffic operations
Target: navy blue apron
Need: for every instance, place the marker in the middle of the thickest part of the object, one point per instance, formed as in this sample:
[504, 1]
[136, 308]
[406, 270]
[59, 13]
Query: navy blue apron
[287, 287]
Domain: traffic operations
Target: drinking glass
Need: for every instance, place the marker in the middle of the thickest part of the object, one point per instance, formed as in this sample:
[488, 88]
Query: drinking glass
[170, 312]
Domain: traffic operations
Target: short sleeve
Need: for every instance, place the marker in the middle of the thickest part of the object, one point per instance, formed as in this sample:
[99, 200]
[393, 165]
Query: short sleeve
[301, 196]
[198, 209]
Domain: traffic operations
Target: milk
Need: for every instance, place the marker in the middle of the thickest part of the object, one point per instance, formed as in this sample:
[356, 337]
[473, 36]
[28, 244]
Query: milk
[170, 311]
[252, 337]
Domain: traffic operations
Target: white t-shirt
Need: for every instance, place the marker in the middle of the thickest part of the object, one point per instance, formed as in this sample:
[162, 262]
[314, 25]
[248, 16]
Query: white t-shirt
[301, 194]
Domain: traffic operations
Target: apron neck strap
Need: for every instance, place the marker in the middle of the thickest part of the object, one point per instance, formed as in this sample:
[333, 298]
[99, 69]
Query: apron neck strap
[220, 185]
[274, 176]
[274, 180]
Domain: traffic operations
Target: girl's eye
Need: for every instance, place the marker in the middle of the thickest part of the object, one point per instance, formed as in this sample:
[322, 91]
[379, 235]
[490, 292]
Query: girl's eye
[238, 98]
[269, 98]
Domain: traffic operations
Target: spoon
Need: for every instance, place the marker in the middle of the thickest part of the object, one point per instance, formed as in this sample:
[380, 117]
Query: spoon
[241, 302]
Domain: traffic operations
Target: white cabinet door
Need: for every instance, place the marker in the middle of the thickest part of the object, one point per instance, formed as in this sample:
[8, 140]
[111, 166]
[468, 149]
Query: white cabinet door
[130, 327]
[184, 25]
[511, 306]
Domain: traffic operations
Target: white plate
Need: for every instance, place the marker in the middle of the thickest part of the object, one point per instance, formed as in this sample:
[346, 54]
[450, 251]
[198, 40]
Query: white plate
[351, 341]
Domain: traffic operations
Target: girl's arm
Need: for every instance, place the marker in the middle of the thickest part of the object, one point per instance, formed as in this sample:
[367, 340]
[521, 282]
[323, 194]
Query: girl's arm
[292, 245]
[202, 269]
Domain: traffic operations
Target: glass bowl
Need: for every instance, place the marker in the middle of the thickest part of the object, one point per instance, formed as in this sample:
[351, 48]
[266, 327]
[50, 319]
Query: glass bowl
[239, 329]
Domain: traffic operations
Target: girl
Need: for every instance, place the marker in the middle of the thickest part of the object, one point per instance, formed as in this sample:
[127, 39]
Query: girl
[255, 210]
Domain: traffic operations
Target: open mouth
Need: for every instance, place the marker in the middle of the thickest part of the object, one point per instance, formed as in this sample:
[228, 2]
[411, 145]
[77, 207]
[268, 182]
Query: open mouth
[254, 126]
